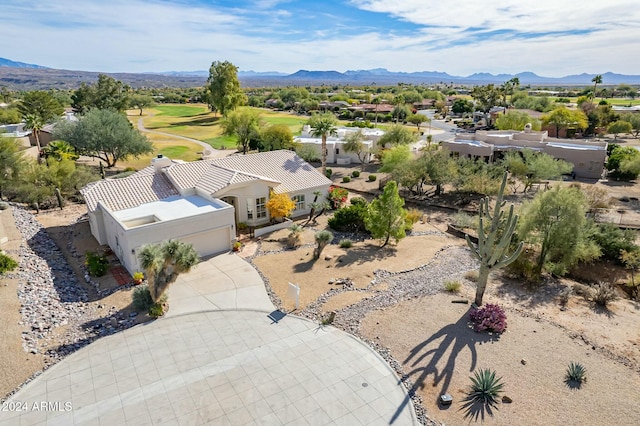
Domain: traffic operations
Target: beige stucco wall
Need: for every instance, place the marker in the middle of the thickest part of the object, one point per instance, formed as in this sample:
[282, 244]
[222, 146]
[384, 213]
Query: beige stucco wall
[210, 233]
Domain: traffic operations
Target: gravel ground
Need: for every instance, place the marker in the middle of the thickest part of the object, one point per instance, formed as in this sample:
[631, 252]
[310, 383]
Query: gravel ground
[59, 314]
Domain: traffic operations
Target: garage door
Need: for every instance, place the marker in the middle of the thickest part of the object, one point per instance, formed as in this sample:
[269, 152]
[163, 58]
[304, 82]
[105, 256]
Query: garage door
[210, 242]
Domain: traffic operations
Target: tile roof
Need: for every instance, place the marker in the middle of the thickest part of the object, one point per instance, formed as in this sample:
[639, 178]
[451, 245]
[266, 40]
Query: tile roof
[293, 173]
[128, 192]
[287, 171]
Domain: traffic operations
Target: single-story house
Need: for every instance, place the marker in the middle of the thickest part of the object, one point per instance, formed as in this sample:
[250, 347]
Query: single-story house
[336, 153]
[200, 202]
[588, 158]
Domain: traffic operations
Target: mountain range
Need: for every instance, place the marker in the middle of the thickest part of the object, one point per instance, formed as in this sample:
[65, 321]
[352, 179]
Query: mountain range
[22, 76]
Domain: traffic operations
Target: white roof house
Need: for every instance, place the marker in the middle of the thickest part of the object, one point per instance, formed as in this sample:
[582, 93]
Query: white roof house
[335, 144]
[199, 202]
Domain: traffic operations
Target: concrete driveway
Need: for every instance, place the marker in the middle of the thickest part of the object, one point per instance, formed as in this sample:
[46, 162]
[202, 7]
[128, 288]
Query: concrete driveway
[222, 282]
[214, 360]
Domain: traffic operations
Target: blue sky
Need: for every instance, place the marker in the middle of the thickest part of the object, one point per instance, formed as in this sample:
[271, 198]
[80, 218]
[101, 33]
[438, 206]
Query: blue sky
[551, 38]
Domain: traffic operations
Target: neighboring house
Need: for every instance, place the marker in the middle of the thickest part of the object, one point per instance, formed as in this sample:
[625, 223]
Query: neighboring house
[588, 158]
[200, 202]
[335, 144]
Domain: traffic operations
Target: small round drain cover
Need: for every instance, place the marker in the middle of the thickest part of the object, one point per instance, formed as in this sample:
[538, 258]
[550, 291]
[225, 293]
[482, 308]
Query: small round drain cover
[364, 385]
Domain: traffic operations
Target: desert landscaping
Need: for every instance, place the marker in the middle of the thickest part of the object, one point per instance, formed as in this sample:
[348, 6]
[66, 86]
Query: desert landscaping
[394, 299]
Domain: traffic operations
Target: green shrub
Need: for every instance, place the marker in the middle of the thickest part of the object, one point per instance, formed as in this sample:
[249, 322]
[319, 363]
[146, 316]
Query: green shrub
[346, 243]
[328, 173]
[355, 173]
[576, 374]
[452, 286]
[372, 178]
[349, 219]
[97, 264]
[613, 240]
[141, 298]
[346, 179]
[7, 264]
[485, 387]
[142, 302]
[463, 220]
[156, 310]
[359, 201]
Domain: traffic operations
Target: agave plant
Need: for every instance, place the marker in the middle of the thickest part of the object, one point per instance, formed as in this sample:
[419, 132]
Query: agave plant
[576, 373]
[485, 387]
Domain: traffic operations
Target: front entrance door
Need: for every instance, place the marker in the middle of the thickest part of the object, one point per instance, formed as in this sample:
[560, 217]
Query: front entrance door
[234, 202]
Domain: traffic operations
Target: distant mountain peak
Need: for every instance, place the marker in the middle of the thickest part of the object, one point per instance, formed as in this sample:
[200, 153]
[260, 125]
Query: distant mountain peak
[13, 64]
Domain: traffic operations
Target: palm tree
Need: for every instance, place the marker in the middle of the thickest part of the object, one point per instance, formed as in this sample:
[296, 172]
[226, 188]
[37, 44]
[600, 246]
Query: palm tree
[596, 80]
[398, 101]
[376, 101]
[163, 263]
[323, 125]
[354, 142]
[35, 123]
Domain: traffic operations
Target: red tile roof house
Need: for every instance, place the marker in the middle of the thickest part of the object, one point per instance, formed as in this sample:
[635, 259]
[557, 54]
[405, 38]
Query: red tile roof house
[199, 202]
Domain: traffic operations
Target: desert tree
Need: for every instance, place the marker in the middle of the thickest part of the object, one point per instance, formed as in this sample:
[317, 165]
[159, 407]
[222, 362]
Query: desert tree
[277, 136]
[385, 217]
[106, 93]
[105, 134]
[354, 142]
[163, 263]
[529, 167]
[280, 205]
[495, 231]
[618, 127]
[223, 90]
[322, 238]
[140, 101]
[11, 163]
[562, 117]
[244, 124]
[555, 224]
[323, 126]
[398, 134]
[417, 120]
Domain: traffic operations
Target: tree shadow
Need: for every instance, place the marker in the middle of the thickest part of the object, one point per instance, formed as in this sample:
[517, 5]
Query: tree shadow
[530, 294]
[304, 266]
[295, 164]
[201, 121]
[358, 255]
[453, 338]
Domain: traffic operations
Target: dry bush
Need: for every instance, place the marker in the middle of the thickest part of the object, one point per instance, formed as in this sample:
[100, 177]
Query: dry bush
[604, 293]
[472, 275]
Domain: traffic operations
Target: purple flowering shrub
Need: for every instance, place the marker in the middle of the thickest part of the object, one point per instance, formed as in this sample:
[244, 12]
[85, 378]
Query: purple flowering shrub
[489, 317]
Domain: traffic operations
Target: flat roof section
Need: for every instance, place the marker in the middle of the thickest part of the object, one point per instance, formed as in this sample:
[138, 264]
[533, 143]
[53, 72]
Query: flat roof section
[472, 142]
[576, 147]
[176, 207]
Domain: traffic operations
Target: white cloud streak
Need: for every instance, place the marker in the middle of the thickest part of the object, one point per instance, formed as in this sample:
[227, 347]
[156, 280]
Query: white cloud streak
[549, 37]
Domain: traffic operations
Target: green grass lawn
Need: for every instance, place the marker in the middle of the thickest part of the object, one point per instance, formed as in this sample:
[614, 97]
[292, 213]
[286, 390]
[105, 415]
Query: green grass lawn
[180, 110]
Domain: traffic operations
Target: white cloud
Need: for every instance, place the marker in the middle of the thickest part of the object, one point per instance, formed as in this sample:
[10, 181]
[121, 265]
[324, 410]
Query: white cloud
[153, 35]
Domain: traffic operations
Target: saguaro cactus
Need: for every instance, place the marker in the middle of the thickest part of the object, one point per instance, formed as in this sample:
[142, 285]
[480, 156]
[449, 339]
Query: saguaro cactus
[492, 248]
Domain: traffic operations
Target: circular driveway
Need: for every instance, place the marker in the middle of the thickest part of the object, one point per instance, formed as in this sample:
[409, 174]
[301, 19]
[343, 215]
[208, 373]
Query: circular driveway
[221, 367]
